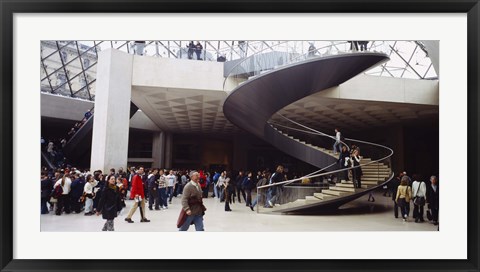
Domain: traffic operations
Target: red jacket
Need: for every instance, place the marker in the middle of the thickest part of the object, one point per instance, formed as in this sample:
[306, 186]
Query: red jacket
[203, 180]
[137, 187]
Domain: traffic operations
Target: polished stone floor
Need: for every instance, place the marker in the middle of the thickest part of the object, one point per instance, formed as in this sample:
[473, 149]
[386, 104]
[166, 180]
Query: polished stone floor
[359, 215]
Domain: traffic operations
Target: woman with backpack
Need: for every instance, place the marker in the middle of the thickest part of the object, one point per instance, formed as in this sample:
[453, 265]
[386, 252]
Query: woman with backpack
[110, 203]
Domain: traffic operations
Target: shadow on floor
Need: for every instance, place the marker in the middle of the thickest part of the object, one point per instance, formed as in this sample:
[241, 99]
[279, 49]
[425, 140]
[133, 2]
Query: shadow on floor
[352, 208]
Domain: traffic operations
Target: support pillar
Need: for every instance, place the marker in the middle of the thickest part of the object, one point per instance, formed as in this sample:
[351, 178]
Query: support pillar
[168, 150]
[112, 110]
[240, 146]
[158, 150]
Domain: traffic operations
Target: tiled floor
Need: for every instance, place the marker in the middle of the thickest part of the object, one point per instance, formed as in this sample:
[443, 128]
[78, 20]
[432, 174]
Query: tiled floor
[359, 215]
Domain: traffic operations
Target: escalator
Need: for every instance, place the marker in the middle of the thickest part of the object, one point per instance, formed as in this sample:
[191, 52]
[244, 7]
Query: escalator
[79, 145]
[252, 104]
[47, 161]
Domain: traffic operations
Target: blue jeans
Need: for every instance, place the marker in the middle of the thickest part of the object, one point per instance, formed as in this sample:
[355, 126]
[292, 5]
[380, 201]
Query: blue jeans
[272, 195]
[197, 221]
[162, 196]
[43, 205]
[170, 193]
[215, 190]
[337, 146]
[255, 201]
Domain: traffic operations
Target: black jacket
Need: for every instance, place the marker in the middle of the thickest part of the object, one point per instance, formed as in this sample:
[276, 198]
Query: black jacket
[341, 159]
[433, 197]
[46, 188]
[393, 185]
[110, 203]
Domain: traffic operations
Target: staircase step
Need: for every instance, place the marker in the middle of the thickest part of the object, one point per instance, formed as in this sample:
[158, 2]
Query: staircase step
[311, 200]
[343, 189]
[336, 193]
[372, 178]
[345, 185]
[375, 174]
[323, 196]
[371, 182]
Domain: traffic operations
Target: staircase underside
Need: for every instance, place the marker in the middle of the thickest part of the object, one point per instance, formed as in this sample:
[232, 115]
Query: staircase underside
[252, 104]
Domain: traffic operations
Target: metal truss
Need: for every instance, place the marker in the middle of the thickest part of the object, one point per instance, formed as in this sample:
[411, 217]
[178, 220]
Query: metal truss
[69, 67]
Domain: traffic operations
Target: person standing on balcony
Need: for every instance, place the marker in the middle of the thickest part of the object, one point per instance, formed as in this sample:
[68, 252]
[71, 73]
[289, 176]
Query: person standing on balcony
[363, 45]
[139, 46]
[198, 50]
[191, 49]
[311, 50]
[337, 145]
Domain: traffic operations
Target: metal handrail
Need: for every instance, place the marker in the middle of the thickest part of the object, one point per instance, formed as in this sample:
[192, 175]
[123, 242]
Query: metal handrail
[296, 59]
[331, 172]
[248, 58]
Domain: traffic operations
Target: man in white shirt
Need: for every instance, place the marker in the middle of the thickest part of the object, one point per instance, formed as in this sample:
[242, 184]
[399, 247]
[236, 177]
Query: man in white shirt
[419, 190]
[171, 181]
[64, 200]
[337, 145]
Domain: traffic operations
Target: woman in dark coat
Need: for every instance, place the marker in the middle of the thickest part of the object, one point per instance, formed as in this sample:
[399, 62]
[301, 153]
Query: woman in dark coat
[110, 204]
[357, 172]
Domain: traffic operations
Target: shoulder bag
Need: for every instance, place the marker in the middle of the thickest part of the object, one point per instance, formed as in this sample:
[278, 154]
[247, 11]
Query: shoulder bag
[419, 200]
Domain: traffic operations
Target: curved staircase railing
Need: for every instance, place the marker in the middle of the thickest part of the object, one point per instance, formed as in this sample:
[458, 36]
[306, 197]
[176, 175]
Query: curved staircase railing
[263, 84]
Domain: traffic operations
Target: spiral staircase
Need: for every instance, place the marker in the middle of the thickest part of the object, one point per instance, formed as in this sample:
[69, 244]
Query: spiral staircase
[263, 92]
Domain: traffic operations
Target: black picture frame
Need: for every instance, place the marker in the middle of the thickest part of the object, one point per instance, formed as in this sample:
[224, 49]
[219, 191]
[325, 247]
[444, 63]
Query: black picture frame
[10, 7]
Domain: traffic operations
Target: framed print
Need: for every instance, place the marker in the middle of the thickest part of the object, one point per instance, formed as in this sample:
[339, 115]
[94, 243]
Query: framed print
[296, 136]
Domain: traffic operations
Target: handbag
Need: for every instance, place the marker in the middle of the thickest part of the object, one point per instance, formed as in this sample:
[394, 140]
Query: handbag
[181, 218]
[53, 200]
[419, 200]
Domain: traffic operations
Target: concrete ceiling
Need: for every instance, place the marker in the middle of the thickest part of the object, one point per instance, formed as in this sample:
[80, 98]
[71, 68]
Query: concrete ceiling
[184, 110]
[325, 114]
[200, 111]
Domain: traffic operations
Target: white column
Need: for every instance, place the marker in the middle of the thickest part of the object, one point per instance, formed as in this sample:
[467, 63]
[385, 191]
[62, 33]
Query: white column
[168, 150]
[158, 150]
[112, 110]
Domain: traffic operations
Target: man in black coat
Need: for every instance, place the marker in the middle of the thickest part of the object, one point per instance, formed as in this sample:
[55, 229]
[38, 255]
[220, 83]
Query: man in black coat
[394, 183]
[46, 187]
[433, 198]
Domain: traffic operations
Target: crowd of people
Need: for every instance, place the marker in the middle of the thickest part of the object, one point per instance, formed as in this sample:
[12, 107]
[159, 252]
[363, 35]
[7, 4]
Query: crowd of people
[405, 191]
[54, 147]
